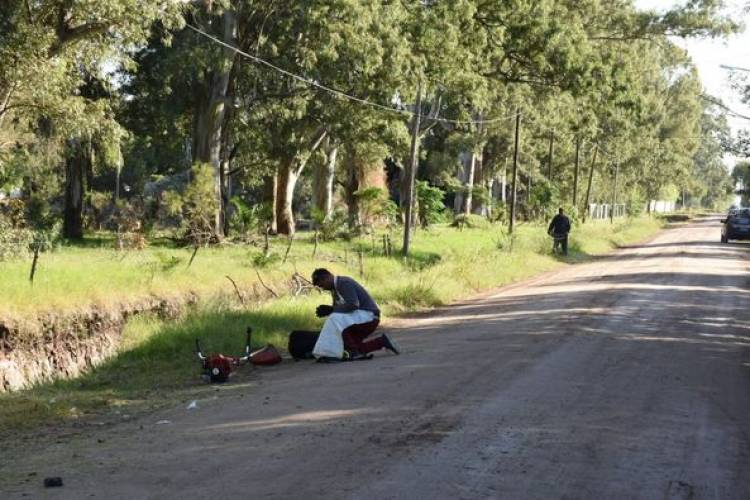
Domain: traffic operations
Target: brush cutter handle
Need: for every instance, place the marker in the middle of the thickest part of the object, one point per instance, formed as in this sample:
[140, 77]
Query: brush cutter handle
[247, 346]
[198, 350]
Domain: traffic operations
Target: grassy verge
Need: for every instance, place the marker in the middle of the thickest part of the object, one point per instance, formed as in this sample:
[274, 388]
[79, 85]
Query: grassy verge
[156, 364]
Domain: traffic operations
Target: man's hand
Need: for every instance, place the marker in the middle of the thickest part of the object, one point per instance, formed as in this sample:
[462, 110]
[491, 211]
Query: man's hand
[323, 310]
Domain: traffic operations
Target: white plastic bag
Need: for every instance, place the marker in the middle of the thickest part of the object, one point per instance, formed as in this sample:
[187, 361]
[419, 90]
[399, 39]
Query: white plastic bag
[330, 344]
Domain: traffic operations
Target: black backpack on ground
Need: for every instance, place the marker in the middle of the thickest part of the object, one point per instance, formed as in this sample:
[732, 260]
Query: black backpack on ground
[302, 343]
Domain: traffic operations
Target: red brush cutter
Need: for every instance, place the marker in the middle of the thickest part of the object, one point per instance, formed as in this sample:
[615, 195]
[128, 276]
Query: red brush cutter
[218, 367]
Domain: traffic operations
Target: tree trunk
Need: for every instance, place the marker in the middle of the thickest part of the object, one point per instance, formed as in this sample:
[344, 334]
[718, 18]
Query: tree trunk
[287, 181]
[458, 199]
[470, 166]
[351, 186]
[270, 185]
[209, 118]
[225, 194]
[323, 182]
[75, 169]
[516, 142]
[5, 95]
[485, 180]
[412, 172]
[289, 172]
[588, 188]
[577, 169]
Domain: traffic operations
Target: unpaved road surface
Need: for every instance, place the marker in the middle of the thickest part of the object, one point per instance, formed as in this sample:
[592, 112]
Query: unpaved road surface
[627, 377]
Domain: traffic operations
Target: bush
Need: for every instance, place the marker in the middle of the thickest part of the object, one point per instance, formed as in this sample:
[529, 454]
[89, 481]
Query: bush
[14, 242]
[126, 218]
[247, 220]
[261, 259]
[415, 295]
[544, 200]
[430, 201]
[14, 212]
[376, 207]
[504, 241]
[197, 206]
[331, 227]
[471, 221]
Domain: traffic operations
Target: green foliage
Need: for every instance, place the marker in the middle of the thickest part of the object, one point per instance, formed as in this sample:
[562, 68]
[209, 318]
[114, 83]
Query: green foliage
[331, 227]
[375, 206]
[14, 242]
[544, 200]
[430, 203]
[261, 259]
[247, 220]
[471, 221]
[197, 206]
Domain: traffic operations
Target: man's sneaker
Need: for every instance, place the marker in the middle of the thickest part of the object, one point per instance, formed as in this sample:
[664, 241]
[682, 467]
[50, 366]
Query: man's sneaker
[390, 345]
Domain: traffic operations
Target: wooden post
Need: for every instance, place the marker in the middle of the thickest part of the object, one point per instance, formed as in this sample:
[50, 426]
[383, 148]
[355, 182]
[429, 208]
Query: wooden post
[575, 174]
[413, 162]
[588, 188]
[34, 262]
[549, 159]
[288, 248]
[512, 222]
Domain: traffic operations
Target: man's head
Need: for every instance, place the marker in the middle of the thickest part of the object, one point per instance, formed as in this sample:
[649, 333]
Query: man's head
[323, 278]
[560, 211]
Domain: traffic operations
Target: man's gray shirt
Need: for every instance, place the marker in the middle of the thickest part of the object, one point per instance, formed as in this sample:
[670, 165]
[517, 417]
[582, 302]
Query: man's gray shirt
[348, 296]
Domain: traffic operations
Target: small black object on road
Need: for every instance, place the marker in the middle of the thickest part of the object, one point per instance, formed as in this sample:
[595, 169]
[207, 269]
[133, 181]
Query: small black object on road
[53, 482]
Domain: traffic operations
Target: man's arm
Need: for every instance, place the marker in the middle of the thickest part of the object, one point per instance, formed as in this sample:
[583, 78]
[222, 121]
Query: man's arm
[349, 294]
[551, 225]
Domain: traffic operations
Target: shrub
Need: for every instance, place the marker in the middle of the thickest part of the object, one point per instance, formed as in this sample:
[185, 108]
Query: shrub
[431, 206]
[14, 212]
[414, 295]
[504, 241]
[247, 220]
[14, 242]
[126, 219]
[376, 207]
[331, 227]
[472, 221]
[197, 206]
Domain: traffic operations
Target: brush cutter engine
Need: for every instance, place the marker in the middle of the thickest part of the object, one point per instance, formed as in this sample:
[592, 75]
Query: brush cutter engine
[218, 367]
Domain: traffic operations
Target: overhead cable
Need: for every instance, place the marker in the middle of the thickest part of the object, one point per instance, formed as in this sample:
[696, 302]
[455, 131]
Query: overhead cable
[340, 93]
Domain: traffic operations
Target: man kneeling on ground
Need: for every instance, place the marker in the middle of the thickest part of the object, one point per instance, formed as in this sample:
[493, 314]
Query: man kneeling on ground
[353, 316]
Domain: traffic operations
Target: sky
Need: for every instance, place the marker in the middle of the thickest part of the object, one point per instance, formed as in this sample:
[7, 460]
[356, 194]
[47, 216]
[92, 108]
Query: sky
[709, 54]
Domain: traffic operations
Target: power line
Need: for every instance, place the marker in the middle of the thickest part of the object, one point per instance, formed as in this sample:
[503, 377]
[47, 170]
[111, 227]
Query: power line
[723, 106]
[340, 93]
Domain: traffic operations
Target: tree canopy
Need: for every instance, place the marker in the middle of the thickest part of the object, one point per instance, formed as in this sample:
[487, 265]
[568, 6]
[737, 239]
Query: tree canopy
[294, 103]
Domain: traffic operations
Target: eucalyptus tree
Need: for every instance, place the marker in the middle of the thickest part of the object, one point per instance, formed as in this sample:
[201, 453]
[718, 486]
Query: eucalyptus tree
[54, 53]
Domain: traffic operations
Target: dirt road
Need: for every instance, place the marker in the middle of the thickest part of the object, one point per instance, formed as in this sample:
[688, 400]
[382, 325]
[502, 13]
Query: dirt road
[627, 377]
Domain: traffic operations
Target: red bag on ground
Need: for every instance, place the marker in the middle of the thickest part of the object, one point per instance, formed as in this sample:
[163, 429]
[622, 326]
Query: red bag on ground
[268, 355]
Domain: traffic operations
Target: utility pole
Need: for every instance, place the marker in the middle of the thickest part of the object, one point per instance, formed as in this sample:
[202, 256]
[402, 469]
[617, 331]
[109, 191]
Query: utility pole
[549, 160]
[577, 168]
[515, 174]
[412, 174]
[614, 194]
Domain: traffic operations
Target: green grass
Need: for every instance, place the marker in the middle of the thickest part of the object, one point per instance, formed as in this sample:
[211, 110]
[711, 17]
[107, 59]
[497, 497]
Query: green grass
[156, 364]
